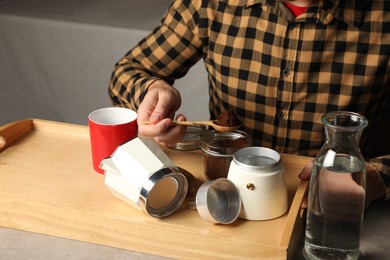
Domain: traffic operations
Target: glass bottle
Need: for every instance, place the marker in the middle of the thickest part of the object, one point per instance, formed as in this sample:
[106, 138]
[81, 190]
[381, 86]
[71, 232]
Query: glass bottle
[337, 190]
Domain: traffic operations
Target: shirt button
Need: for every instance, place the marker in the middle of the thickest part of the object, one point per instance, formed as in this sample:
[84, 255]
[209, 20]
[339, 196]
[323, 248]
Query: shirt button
[286, 72]
[279, 115]
[293, 26]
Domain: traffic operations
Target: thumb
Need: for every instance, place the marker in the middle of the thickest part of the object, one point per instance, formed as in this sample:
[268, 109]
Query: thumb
[181, 117]
[306, 171]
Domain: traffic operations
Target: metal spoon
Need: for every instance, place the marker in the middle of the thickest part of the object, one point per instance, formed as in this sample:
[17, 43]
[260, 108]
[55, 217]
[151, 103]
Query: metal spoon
[211, 123]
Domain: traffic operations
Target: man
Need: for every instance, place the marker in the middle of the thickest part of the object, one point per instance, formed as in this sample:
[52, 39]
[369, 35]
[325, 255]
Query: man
[280, 65]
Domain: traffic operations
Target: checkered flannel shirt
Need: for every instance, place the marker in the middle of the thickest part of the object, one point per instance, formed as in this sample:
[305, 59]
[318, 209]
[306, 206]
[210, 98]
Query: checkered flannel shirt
[280, 74]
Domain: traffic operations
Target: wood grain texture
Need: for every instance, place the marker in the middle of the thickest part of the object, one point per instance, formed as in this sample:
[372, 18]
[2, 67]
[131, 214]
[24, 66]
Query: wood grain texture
[48, 186]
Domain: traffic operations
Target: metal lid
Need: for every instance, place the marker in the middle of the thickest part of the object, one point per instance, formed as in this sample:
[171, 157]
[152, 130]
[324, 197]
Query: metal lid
[224, 144]
[191, 140]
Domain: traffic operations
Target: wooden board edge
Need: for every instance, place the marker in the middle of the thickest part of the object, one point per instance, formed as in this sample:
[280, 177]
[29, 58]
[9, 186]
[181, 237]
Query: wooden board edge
[54, 126]
[45, 222]
[295, 221]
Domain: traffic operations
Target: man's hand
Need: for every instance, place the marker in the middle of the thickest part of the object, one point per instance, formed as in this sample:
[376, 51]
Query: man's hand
[340, 197]
[332, 185]
[159, 107]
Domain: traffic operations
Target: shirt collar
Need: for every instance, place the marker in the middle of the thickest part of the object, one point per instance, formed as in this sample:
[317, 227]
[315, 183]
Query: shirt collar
[325, 11]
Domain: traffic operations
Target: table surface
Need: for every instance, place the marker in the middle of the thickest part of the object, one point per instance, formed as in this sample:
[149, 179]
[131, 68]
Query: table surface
[20, 244]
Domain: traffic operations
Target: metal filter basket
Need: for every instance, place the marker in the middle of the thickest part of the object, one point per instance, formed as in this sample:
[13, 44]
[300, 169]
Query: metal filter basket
[163, 193]
[218, 201]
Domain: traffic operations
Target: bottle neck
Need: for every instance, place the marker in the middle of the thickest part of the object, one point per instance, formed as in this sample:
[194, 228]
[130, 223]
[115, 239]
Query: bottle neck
[342, 140]
[343, 130]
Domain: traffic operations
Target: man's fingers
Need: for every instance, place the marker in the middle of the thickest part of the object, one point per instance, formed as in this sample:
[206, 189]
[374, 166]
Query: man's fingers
[306, 172]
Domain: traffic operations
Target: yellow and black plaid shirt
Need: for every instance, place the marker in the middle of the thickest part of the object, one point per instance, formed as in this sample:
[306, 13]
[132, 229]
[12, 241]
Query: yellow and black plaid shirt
[277, 72]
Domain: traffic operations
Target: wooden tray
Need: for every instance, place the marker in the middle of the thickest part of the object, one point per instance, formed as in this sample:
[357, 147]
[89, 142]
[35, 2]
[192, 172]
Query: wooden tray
[48, 186]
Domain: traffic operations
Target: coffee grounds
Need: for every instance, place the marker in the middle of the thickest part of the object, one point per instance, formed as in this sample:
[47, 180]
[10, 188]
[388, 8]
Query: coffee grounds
[217, 167]
[227, 118]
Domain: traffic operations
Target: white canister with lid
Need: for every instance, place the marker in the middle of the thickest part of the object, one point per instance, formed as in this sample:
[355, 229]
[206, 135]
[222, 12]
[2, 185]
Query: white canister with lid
[258, 174]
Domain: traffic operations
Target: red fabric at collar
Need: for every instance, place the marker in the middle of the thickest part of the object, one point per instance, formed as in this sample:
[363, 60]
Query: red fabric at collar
[296, 10]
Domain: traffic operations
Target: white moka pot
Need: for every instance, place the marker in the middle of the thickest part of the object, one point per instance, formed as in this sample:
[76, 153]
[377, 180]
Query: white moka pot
[141, 174]
[258, 174]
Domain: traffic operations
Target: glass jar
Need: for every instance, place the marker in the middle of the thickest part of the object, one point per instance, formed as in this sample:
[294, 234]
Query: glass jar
[191, 139]
[218, 149]
[337, 190]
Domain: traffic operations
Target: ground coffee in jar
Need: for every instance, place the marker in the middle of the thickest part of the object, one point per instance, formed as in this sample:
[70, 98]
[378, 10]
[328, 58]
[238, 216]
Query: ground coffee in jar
[218, 149]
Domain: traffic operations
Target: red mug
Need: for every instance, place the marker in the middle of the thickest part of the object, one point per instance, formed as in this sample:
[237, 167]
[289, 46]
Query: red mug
[108, 128]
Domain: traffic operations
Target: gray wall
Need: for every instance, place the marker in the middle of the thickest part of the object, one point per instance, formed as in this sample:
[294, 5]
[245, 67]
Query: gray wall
[56, 57]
